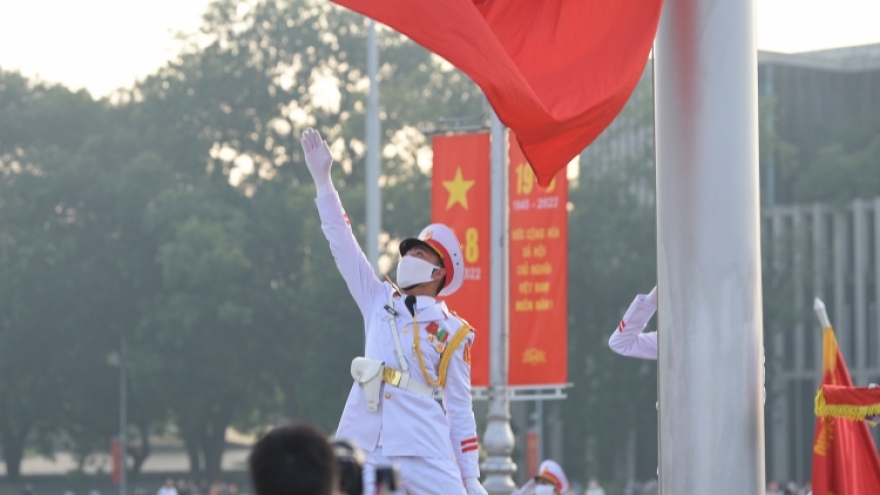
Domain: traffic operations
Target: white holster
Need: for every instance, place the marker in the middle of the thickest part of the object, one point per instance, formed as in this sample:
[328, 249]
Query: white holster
[368, 373]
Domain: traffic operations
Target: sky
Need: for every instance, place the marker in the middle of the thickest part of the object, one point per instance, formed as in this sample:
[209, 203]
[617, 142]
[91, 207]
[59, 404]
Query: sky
[102, 45]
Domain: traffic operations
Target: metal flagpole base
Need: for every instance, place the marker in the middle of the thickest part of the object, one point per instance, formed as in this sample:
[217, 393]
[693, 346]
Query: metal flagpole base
[498, 442]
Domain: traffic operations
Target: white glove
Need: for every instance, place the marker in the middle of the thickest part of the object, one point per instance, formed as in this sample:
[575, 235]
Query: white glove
[652, 296]
[318, 158]
[473, 486]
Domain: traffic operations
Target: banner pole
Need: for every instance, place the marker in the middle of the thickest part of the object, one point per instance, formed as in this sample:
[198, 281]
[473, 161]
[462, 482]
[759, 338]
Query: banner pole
[498, 437]
[373, 192]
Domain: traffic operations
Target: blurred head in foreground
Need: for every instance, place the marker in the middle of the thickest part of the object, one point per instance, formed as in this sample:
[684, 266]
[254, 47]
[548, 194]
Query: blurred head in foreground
[293, 458]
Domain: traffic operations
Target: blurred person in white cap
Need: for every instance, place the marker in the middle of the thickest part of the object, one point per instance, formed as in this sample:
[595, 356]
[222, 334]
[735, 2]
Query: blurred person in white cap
[414, 346]
[593, 487]
[550, 480]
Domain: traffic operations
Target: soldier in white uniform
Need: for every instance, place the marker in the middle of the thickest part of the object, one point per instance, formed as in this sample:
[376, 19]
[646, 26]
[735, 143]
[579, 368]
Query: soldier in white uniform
[414, 345]
[630, 339]
[551, 480]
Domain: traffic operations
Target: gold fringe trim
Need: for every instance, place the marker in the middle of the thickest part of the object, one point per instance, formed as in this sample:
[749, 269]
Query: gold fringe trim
[441, 378]
[851, 412]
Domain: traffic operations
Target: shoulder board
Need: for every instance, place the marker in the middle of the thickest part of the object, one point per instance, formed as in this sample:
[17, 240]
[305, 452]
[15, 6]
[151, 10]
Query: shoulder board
[463, 321]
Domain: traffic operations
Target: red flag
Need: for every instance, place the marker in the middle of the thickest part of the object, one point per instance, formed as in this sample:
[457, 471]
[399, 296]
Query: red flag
[557, 72]
[845, 461]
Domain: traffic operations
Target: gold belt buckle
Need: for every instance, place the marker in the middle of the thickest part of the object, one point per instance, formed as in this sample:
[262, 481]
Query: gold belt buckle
[392, 376]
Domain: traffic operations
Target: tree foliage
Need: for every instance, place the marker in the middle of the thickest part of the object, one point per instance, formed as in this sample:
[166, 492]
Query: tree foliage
[180, 216]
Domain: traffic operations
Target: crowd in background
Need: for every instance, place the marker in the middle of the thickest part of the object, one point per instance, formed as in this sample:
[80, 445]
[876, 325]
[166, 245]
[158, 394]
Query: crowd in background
[789, 488]
[297, 459]
[188, 486]
[340, 470]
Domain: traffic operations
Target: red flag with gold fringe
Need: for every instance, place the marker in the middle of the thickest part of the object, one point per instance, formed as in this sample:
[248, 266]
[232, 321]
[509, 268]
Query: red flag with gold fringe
[557, 72]
[855, 403]
[845, 460]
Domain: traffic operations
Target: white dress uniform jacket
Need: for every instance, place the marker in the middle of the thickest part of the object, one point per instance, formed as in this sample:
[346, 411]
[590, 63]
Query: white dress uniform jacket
[628, 340]
[405, 424]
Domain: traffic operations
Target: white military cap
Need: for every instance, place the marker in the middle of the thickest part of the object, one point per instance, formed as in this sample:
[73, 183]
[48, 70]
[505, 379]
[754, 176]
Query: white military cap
[441, 239]
[551, 471]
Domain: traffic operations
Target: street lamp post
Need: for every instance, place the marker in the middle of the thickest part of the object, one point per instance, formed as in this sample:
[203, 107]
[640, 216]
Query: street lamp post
[373, 167]
[498, 439]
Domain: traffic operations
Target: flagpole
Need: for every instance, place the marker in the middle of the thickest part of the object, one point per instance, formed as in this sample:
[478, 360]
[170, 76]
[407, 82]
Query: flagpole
[498, 438]
[373, 125]
[711, 419]
[819, 308]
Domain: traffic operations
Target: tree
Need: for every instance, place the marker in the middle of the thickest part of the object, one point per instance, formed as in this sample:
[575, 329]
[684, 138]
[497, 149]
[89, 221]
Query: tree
[46, 257]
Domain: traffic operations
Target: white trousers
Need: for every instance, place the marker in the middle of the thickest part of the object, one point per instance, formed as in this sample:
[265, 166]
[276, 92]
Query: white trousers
[418, 475]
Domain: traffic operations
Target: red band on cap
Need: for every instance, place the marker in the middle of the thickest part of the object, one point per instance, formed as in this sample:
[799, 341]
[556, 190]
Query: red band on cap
[444, 256]
[547, 474]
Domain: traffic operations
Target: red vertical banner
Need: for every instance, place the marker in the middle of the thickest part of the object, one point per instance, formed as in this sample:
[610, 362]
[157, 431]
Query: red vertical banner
[538, 275]
[460, 199]
[116, 458]
[531, 453]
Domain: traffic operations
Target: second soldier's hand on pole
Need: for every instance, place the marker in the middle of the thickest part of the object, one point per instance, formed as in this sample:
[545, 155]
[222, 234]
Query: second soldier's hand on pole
[318, 158]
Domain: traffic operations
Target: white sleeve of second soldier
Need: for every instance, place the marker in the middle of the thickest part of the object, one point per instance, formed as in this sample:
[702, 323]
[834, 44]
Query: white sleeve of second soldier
[628, 338]
[460, 412]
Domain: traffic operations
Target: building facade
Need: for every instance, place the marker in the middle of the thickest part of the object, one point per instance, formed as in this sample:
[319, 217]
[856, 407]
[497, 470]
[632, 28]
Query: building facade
[833, 254]
[808, 97]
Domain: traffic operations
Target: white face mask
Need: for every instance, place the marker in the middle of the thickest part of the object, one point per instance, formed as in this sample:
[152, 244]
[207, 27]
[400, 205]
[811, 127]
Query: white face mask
[413, 271]
[544, 490]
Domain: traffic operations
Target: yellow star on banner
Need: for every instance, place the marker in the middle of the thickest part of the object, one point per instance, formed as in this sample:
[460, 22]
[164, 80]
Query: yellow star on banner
[458, 188]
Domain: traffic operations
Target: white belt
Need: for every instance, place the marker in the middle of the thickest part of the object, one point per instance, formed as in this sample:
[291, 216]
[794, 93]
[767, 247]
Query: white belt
[398, 379]
[370, 373]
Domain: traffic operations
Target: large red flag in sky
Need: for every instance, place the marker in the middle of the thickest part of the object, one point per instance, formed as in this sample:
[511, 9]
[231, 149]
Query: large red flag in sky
[557, 72]
[845, 461]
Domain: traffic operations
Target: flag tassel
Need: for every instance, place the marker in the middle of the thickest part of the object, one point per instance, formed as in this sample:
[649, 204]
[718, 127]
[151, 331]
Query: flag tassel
[847, 411]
